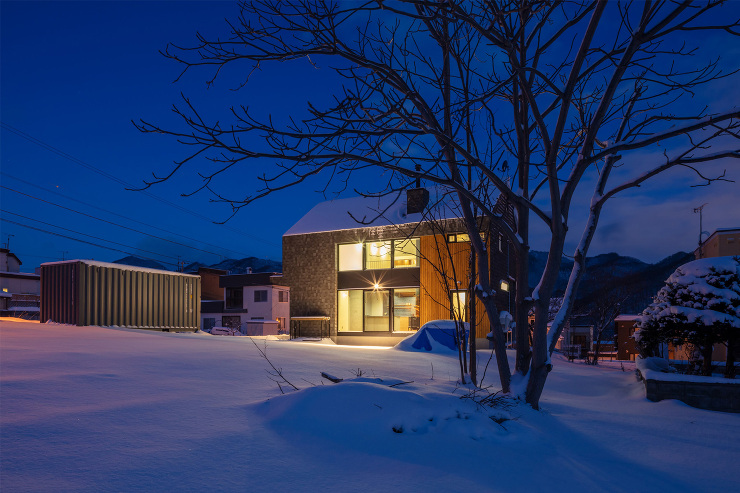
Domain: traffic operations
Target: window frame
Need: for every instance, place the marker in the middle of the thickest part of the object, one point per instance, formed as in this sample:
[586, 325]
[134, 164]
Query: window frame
[391, 310]
[228, 300]
[364, 253]
[258, 294]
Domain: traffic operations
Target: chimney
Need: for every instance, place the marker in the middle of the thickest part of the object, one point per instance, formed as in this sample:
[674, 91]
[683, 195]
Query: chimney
[416, 200]
[249, 270]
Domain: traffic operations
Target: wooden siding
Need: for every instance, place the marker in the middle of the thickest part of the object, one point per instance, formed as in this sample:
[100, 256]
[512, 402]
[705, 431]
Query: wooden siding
[445, 267]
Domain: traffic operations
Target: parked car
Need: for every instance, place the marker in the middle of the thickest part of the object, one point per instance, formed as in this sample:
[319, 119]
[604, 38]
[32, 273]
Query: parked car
[225, 331]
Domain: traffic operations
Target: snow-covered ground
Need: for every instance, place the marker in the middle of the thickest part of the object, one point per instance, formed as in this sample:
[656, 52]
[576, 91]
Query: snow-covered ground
[103, 409]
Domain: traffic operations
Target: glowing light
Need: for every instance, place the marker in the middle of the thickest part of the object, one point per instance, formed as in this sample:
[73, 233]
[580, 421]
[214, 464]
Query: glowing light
[376, 286]
[504, 286]
[383, 251]
[373, 249]
[359, 247]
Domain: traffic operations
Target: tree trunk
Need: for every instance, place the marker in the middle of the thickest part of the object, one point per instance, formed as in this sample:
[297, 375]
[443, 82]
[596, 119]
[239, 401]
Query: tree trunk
[523, 351]
[472, 318]
[706, 367]
[597, 346]
[540, 365]
[730, 362]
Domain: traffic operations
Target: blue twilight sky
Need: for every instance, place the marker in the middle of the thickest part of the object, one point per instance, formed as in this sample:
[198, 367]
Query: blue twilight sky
[74, 75]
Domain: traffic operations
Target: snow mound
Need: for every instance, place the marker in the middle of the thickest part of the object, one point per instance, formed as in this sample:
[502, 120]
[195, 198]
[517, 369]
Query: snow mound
[376, 411]
[437, 336]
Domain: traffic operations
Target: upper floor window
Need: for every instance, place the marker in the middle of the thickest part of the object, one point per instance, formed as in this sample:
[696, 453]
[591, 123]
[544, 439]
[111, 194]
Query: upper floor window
[283, 296]
[378, 255]
[350, 257]
[385, 254]
[234, 298]
[462, 237]
[260, 295]
[406, 253]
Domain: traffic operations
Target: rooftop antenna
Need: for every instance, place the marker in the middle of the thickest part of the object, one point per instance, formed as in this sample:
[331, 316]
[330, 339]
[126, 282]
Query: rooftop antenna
[7, 244]
[700, 211]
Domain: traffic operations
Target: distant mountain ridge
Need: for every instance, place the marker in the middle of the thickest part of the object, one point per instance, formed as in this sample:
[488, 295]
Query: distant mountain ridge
[644, 280]
[233, 266]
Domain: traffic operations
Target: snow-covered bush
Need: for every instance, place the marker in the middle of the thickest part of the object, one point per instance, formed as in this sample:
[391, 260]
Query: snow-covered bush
[699, 305]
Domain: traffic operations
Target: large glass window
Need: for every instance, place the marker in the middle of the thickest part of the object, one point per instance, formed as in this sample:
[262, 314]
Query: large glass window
[349, 311]
[378, 255]
[405, 309]
[406, 253]
[350, 257]
[376, 311]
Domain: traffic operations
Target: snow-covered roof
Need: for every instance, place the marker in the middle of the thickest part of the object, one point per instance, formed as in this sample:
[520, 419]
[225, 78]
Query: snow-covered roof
[111, 265]
[625, 318]
[362, 212]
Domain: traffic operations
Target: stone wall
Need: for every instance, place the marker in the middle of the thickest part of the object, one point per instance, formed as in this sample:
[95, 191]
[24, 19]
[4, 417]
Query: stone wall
[703, 395]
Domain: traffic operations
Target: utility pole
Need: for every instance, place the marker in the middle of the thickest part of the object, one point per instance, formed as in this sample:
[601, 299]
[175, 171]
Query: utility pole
[700, 211]
[64, 252]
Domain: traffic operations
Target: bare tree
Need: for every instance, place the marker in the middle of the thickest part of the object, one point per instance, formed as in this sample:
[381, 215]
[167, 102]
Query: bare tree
[605, 308]
[530, 97]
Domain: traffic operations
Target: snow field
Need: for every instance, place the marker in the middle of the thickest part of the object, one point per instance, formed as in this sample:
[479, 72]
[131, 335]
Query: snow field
[102, 409]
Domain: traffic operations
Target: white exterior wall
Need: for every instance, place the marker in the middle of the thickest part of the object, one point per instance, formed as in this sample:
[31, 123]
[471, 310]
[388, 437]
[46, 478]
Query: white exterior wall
[271, 309]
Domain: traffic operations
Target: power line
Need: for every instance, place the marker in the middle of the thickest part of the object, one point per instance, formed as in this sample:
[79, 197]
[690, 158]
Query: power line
[89, 236]
[83, 241]
[47, 190]
[108, 222]
[127, 185]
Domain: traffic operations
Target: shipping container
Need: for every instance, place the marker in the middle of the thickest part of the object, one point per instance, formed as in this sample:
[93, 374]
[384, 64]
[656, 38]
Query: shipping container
[86, 292]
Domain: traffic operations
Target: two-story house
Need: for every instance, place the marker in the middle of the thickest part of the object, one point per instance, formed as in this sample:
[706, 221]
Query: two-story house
[256, 304]
[379, 268]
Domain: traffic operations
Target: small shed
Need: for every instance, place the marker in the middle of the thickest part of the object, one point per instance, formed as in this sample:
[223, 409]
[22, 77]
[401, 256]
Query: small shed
[86, 292]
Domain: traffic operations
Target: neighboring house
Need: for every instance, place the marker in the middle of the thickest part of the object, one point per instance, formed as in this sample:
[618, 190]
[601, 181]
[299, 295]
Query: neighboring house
[624, 326]
[19, 291]
[722, 243]
[209, 281]
[627, 347]
[256, 304]
[379, 268]
[86, 292]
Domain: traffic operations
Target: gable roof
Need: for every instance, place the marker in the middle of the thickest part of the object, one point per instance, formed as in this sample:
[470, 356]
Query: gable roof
[364, 212]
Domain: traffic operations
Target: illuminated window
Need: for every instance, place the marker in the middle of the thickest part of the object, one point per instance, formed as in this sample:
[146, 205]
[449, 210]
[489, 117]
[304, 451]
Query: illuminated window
[462, 237]
[349, 311]
[504, 286]
[459, 307]
[378, 255]
[405, 309]
[350, 257]
[406, 253]
[376, 311]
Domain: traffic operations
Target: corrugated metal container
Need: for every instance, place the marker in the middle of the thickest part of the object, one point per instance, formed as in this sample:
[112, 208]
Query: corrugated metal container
[85, 292]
